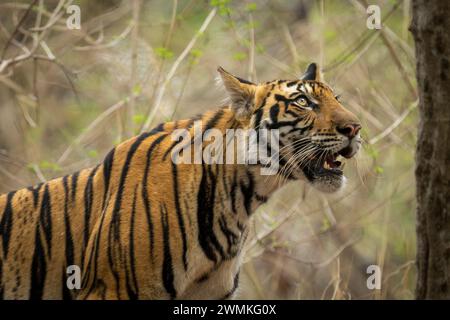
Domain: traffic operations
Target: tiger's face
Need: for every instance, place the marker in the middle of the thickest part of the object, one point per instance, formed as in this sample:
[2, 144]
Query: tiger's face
[314, 128]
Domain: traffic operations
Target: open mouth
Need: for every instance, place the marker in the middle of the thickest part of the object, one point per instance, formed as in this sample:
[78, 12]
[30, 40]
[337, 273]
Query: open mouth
[327, 165]
[330, 165]
[325, 168]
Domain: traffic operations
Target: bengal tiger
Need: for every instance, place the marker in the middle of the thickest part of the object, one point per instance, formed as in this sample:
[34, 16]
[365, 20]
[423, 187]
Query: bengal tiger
[141, 226]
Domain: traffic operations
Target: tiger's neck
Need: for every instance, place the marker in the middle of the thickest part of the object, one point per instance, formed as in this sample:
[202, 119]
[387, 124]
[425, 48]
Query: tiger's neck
[229, 193]
[254, 181]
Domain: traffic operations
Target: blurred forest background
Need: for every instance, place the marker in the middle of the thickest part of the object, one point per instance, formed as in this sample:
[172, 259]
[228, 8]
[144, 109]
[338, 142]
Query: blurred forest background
[68, 96]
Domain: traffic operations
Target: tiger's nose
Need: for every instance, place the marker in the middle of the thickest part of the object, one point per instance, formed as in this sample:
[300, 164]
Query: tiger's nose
[349, 130]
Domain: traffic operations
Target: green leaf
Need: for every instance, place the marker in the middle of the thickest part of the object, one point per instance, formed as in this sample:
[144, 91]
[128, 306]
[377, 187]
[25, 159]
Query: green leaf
[379, 170]
[325, 225]
[252, 25]
[92, 153]
[138, 119]
[30, 167]
[222, 6]
[137, 89]
[239, 56]
[163, 53]
[251, 7]
[47, 165]
[372, 152]
[196, 53]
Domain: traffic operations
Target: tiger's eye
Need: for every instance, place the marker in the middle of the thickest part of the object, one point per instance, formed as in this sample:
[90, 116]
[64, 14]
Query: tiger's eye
[302, 101]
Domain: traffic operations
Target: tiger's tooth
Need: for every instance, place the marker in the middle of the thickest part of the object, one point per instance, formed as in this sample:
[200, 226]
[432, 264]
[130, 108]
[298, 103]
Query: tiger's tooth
[343, 165]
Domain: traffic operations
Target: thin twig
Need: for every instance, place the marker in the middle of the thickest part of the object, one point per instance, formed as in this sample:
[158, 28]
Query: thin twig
[13, 34]
[174, 68]
[93, 124]
[134, 57]
[395, 124]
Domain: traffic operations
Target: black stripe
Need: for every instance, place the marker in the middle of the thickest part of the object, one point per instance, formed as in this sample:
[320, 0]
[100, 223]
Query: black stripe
[274, 111]
[292, 113]
[205, 215]
[74, 185]
[123, 177]
[38, 269]
[202, 278]
[294, 95]
[328, 140]
[107, 168]
[233, 192]
[248, 192]
[244, 81]
[235, 286]
[157, 129]
[203, 207]
[192, 120]
[147, 205]
[114, 230]
[132, 291]
[69, 248]
[240, 226]
[210, 124]
[45, 219]
[280, 97]
[6, 223]
[174, 143]
[167, 269]
[229, 235]
[39, 263]
[176, 196]
[284, 124]
[94, 256]
[258, 117]
[188, 126]
[215, 119]
[261, 198]
[224, 180]
[35, 192]
[88, 201]
[263, 102]
[291, 83]
[2, 289]
[66, 293]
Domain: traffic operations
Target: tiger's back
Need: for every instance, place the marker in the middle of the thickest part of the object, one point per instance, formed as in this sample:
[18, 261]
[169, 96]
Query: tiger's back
[129, 224]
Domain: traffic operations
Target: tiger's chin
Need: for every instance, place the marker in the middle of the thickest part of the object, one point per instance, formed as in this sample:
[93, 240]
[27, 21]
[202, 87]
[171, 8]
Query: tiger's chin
[326, 180]
[329, 183]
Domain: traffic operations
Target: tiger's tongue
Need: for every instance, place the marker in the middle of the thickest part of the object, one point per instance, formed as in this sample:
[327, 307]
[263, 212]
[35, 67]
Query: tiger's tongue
[332, 162]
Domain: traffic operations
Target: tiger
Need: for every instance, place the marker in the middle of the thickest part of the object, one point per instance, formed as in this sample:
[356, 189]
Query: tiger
[141, 226]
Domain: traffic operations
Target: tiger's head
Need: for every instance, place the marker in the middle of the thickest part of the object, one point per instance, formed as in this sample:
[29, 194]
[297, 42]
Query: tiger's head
[314, 127]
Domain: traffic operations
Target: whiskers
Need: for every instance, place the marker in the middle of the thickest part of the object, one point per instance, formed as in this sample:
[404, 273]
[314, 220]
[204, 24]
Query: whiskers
[303, 153]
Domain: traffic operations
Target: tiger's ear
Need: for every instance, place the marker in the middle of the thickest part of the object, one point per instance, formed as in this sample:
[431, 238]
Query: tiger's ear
[241, 92]
[312, 73]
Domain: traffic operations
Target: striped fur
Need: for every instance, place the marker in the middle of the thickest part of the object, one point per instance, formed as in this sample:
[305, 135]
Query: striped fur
[141, 227]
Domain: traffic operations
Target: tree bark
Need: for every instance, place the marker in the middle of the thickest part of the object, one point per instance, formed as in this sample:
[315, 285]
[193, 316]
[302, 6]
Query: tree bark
[431, 30]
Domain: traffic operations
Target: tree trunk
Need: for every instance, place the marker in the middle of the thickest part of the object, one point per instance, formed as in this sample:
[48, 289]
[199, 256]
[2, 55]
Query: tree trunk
[431, 30]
